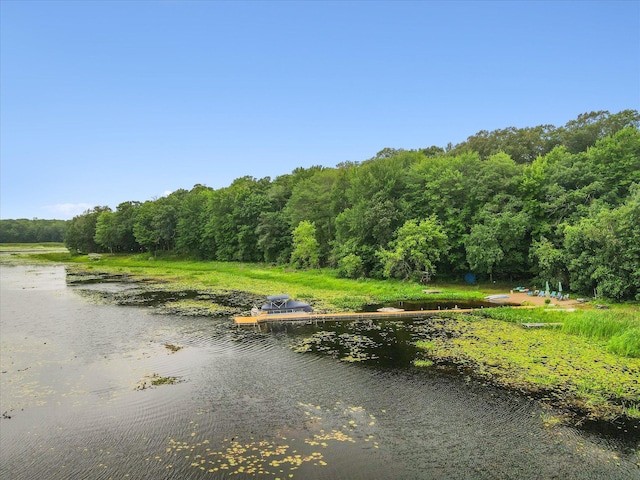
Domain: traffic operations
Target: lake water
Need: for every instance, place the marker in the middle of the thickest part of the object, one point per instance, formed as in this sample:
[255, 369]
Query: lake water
[246, 405]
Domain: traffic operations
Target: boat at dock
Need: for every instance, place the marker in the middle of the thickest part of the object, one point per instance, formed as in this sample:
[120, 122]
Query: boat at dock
[282, 304]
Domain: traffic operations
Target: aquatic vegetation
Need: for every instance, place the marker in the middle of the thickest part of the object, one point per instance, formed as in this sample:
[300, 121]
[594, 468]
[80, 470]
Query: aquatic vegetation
[571, 371]
[154, 380]
[172, 348]
[423, 363]
[346, 346]
[279, 457]
[381, 342]
[196, 308]
[621, 329]
[322, 288]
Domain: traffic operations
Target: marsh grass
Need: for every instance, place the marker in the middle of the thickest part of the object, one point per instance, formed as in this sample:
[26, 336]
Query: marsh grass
[602, 325]
[321, 287]
[620, 330]
[580, 371]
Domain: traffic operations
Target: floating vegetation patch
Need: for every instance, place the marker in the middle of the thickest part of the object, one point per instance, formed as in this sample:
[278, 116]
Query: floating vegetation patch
[280, 457]
[196, 308]
[387, 343]
[154, 380]
[86, 275]
[172, 348]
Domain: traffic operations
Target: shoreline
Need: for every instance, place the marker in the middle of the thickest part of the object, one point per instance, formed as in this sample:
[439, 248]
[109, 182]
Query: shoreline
[471, 351]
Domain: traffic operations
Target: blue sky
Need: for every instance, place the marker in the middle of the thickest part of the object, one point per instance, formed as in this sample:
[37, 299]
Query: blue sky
[108, 101]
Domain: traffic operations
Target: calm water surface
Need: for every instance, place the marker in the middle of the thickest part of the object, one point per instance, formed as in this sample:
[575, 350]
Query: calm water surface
[247, 406]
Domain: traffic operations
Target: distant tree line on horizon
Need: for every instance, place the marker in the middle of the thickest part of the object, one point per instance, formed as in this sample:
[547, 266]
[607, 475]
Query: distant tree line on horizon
[35, 230]
[557, 204]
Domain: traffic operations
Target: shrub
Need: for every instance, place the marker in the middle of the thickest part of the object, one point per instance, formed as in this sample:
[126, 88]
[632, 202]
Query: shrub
[350, 266]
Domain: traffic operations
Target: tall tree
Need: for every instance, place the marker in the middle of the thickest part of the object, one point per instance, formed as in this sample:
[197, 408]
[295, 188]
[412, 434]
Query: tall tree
[311, 200]
[106, 231]
[306, 250]
[191, 221]
[416, 249]
[603, 250]
[81, 231]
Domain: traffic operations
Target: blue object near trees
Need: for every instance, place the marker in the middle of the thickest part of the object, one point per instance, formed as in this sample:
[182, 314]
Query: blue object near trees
[470, 277]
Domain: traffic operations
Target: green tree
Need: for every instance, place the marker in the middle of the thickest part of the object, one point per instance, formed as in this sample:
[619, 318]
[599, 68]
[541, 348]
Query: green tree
[371, 204]
[106, 231]
[125, 218]
[306, 251]
[446, 187]
[583, 132]
[311, 200]
[415, 250]
[191, 222]
[81, 231]
[483, 249]
[549, 261]
[156, 221]
[499, 239]
[114, 230]
[350, 266]
[32, 230]
[274, 237]
[521, 144]
[233, 219]
[603, 250]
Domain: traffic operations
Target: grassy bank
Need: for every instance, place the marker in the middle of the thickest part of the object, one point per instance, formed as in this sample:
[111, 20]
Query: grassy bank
[618, 329]
[322, 288]
[576, 370]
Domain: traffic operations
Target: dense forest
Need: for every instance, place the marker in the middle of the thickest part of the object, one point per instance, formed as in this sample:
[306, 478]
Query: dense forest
[557, 204]
[32, 231]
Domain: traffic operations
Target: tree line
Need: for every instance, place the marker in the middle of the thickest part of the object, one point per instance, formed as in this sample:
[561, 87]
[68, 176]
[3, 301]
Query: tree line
[560, 204]
[32, 230]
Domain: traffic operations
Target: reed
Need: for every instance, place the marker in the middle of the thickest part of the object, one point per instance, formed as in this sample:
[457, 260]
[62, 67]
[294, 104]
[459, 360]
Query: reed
[517, 315]
[600, 325]
[626, 344]
[621, 330]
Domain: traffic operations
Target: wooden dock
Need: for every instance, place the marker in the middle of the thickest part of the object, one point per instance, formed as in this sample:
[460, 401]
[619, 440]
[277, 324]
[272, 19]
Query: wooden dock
[338, 317]
[542, 325]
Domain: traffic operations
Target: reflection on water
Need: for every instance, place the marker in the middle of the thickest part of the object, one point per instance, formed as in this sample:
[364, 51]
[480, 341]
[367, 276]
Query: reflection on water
[246, 405]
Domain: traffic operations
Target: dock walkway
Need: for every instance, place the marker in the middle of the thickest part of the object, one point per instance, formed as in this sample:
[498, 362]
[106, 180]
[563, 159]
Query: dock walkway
[337, 317]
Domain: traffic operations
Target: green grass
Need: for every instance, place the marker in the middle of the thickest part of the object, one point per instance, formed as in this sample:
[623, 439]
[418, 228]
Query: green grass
[619, 329]
[321, 287]
[602, 325]
[626, 343]
[43, 246]
[574, 370]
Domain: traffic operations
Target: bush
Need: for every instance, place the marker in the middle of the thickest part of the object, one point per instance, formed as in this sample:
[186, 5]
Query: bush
[350, 266]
